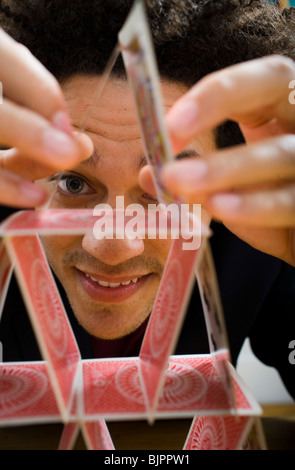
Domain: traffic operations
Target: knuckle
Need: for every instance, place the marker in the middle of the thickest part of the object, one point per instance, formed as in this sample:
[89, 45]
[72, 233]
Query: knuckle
[224, 83]
[281, 66]
[286, 148]
[22, 50]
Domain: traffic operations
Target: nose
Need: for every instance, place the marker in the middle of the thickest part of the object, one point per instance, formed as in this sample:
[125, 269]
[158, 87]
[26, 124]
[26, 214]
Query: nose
[120, 247]
[112, 251]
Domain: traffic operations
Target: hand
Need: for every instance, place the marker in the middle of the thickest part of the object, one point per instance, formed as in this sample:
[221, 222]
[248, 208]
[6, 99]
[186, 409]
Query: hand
[34, 125]
[250, 188]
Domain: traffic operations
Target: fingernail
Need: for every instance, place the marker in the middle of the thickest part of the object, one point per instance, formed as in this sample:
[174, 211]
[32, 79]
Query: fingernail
[182, 118]
[185, 174]
[32, 192]
[61, 121]
[58, 144]
[225, 203]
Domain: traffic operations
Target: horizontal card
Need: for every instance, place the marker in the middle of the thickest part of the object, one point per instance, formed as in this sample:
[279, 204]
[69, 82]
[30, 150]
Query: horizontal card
[26, 395]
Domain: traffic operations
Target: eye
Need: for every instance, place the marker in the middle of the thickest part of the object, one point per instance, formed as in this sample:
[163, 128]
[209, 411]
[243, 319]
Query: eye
[149, 197]
[75, 185]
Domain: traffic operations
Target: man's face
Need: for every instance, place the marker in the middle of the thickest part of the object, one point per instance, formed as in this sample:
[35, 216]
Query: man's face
[111, 283]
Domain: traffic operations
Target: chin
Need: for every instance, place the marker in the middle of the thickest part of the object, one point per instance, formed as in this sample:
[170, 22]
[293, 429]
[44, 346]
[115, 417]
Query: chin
[110, 325]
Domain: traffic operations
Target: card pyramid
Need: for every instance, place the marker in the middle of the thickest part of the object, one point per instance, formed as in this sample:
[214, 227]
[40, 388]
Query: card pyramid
[86, 394]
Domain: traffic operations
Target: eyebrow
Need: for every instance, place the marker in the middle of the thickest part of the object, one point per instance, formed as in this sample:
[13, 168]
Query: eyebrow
[142, 160]
[92, 161]
[187, 153]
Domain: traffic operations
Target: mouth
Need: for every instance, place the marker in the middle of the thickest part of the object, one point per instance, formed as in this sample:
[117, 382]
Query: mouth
[117, 289]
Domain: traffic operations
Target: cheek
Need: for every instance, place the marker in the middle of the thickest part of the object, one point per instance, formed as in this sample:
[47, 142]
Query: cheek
[55, 248]
[159, 249]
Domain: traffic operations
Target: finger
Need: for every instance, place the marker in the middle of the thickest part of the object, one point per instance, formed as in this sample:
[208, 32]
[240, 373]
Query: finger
[12, 160]
[17, 192]
[271, 161]
[269, 208]
[37, 139]
[259, 86]
[26, 81]
[277, 241]
[146, 180]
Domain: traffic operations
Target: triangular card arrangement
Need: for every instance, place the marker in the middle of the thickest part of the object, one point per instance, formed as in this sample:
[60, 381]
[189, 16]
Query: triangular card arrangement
[85, 394]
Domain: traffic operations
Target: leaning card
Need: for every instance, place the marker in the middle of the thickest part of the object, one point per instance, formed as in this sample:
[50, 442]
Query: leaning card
[166, 320]
[96, 435]
[255, 439]
[213, 311]
[49, 320]
[6, 269]
[214, 318]
[217, 433]
[69, 436]
[140, 63]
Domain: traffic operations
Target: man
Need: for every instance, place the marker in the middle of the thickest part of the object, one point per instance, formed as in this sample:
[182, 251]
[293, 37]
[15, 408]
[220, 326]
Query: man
[109, 286]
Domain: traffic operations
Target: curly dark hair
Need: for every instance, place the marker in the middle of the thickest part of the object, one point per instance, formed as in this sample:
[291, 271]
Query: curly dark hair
[192, 37]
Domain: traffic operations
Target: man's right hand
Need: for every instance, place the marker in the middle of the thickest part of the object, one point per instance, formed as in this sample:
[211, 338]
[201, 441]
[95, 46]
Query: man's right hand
[34, 126]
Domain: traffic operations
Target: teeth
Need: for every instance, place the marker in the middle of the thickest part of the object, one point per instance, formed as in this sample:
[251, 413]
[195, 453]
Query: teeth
[101, 283]
[112, 284]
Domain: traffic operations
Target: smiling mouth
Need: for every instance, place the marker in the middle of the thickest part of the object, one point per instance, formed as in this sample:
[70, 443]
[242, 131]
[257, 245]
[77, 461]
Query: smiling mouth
[113, 285]
[116, 291]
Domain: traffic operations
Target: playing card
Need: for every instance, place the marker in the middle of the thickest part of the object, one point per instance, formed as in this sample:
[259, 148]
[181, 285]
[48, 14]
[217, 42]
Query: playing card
[97, 436]
[69, 436]
[255, 439]
[211, 302]
[51, 221]
[214, 318]
[104, 222]
[6, 269]
[166, 320]
[50, 322]
[217, 433]
[112, 390]
[140, 63]
[26, 395]
[193, 386]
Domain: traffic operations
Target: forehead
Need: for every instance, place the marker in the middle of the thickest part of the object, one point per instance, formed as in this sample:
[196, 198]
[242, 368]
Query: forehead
[112, 122]
[113, 115]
